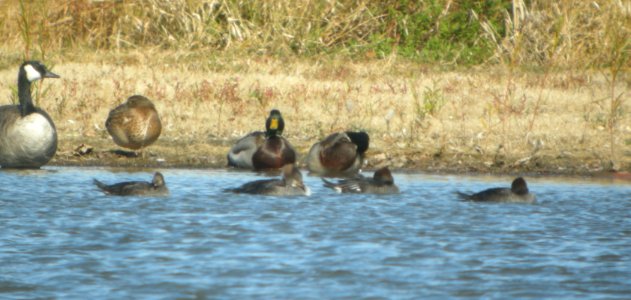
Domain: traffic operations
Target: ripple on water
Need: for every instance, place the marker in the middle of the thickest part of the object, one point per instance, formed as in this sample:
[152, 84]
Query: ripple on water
[62, 238]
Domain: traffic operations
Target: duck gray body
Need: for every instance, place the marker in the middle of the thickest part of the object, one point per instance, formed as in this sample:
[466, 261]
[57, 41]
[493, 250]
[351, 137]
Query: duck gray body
[157, 187]
[28, 137]
[517, 193]
[241, 153]
[382, 182]
[290, 184]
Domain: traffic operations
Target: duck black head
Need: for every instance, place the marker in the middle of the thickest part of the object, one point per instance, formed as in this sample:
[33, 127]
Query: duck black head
[359, 138]
[292, 176]
[519, 186]
[158, 180]
[383, 176]
[274, 124]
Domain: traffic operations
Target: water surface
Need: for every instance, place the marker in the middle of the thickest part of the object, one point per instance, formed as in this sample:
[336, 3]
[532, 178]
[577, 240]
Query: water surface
[61, 238]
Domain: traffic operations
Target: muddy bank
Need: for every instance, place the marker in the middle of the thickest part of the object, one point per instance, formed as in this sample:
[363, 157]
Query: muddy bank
[101, 152]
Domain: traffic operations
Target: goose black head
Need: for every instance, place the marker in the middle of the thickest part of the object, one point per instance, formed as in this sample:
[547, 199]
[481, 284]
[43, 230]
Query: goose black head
[33, 70]
[274, 124]
[30, 71]
[519, 186]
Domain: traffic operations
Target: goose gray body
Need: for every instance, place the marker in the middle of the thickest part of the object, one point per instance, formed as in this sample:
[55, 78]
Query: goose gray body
[28, 137]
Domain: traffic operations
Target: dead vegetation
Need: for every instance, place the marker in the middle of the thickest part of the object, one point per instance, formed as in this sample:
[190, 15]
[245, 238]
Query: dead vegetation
[461, 119]
[551, 96]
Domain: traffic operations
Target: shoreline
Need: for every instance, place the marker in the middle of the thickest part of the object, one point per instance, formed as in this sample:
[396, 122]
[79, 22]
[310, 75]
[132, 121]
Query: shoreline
[169, 155]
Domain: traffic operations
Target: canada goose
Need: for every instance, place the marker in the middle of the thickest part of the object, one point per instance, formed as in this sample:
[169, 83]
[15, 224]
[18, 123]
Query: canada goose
[263, 150]
[518, 192]
[28, 137]
[157, 187]
[382, 182]
[290, 184]
[339, 154]
[134, 124]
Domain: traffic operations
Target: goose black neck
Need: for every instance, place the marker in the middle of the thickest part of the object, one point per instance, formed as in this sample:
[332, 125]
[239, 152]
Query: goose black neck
[24, 94]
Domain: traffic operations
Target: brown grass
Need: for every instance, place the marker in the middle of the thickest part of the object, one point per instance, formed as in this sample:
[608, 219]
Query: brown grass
[421, 118]
[551, 99]
[564, 34]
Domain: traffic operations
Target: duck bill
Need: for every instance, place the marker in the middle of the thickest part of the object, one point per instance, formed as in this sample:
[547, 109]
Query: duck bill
[274, 124]
[50, 74]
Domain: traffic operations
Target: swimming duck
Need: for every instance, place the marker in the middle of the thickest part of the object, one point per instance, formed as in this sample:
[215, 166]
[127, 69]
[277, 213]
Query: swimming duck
[290, 184]
[157, 187]
[518, 192]
[382, 182]
[134, 124]
[263, 150]
[28, 137]
[339, 154]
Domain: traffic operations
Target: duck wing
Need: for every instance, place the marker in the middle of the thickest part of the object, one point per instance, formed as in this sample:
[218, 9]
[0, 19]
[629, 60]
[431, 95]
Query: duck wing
[124, 188]
[262, 186]
[345, 186]
[493, 194]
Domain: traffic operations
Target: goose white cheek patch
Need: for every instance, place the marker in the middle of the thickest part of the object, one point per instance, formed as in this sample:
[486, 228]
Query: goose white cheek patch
[31, 73]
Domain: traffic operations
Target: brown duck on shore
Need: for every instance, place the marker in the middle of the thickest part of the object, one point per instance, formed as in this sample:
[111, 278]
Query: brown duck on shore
[263, 150]
[382, 182]
[339, 154]
[157, 187]
[134, 124]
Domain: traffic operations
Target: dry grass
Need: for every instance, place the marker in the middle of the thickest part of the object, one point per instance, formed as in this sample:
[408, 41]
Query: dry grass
[420, 118]
[551, 98]
[566, 34]
[258, 26]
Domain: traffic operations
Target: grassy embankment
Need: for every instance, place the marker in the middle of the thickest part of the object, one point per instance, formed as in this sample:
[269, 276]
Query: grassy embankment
[505, 87]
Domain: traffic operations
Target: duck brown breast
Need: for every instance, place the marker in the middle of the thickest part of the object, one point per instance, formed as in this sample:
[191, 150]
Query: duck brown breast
[275, 153]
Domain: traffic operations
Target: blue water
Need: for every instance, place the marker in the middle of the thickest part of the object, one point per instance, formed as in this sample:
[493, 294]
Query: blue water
[62, 238]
